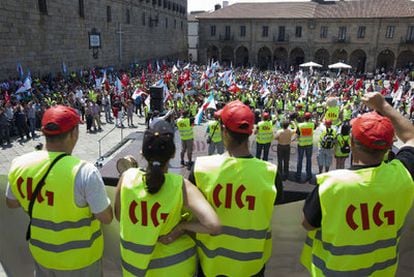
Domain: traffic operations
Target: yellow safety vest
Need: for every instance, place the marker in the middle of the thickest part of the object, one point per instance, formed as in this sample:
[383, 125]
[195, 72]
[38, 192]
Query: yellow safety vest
[305, 133]
[363, 217]
[185, 129]
[332, 113]
[242, 192]
[264, 132]
[214, 131]
[340, 139]
[347, 114]
[144, 218]
[63, 236]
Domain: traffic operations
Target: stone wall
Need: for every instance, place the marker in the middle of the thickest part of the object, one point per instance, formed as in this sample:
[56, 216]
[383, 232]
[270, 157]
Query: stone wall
[42, 42]
[375, 46]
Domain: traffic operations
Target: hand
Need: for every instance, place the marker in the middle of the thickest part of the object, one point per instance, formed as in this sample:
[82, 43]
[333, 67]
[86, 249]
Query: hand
[374, 100]
[172, 236]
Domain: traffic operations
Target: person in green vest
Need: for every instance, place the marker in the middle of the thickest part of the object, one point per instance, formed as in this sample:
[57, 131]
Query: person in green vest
[355, 216]
[214, 139]
[160, 245]
[264, 136]
[342, 146]
[185, 128]
[304, 132]
[65, 235]
[346, 112]
[326, 144]
[240, 188]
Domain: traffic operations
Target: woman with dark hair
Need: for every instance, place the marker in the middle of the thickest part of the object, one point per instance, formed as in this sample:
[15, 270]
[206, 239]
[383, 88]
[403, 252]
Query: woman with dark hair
[149, 206]
[342, 146]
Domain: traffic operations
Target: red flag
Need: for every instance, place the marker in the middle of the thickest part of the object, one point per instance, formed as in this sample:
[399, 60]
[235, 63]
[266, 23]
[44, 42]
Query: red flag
[234, 88]
[396, 85]
[125, 80]
[358, 84]
[142, 77]
[7, 97]
[149, 68]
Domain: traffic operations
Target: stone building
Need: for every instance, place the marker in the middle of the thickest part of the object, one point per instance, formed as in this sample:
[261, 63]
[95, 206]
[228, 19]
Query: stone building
[192, 37]
[367, 34]
[41, 35]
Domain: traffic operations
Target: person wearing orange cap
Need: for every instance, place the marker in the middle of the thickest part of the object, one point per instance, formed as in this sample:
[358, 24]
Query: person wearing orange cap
[65, 199]
[264, 136]
[326, 144]
[356, 216]
[240, 188]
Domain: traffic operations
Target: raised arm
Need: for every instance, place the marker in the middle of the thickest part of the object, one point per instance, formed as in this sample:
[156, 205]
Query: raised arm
[403, 127]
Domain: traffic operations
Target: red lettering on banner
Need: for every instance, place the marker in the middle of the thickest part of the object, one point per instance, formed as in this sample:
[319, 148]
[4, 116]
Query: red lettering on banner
[144, 213]
[350, 217]
[216, 193]
[229, 194]
[365, 216]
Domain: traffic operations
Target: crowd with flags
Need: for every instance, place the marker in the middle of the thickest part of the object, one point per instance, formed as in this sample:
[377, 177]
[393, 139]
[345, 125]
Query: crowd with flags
[198, 89]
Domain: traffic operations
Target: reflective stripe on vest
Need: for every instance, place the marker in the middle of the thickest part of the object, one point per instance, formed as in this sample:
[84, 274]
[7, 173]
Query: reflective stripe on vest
[305, 133]
[214, 131]
[233, 186]
[161, 263]
[185, 129]
[144, 218]
[361, 237]
[60, 239]
[265, 132]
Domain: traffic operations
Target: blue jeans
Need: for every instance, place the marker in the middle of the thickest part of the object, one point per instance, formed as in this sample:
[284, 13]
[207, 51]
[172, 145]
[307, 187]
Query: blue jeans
[308, 151]
[262, 147]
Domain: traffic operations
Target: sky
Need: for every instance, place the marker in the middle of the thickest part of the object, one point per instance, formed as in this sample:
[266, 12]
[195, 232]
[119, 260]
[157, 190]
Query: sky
[206, 5]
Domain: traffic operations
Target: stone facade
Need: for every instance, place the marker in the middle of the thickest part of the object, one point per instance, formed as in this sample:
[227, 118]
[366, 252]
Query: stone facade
[365, 43]
[131, 31]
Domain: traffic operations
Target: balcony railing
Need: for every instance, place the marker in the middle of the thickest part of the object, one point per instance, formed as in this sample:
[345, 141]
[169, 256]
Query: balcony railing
[226, 37]
[341, 39]
[281, 39]
[407, 40]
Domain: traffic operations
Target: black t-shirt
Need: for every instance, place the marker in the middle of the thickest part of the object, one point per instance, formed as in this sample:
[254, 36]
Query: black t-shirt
[312, 208]
[278, 182]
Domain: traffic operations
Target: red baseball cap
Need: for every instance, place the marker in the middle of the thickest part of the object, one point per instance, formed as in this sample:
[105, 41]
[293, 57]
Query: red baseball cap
[308, 115]
[328, 123]
[373, 131]
[265, 115]
[237, 117]
[59, 119]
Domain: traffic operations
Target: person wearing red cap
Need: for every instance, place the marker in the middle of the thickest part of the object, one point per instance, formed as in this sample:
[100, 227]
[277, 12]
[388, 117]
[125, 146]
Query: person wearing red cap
[356, 216]
[264, 136]
[327, 141]
[240, 188]
[304, 131]
[65, 199]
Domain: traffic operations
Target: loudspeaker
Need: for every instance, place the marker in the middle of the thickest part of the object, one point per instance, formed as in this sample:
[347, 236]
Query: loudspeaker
[156, 92]
[156, 99]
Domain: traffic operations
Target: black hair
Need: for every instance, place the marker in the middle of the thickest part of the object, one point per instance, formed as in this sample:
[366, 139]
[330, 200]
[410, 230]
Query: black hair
[345, 129]
[238, 138]
[157, 149]
[285, 124]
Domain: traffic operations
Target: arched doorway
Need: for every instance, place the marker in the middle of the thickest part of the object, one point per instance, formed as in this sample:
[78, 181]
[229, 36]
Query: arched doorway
[264, 58]
[340, 55]
[212, 53]
[405, 58]
[297, 56]
[280, 58]
[385, 60]
[358, 60]
[242, 56]
[322, 57]
[227, 55]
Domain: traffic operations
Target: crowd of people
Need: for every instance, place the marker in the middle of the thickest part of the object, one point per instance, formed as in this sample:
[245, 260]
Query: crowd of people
[218, 221]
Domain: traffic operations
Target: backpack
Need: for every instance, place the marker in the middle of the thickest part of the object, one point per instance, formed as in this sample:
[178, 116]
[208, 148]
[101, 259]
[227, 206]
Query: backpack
[345, 148]
[328, 140]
